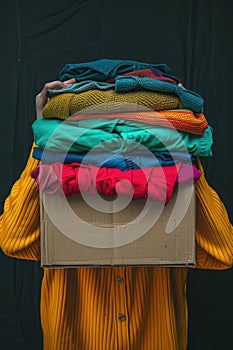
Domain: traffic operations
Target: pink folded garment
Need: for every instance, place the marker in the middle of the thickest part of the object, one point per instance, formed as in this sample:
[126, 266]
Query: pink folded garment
[154, 183]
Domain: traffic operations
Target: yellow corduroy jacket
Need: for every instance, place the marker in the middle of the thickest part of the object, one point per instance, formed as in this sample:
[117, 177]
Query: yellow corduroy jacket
[118, 308]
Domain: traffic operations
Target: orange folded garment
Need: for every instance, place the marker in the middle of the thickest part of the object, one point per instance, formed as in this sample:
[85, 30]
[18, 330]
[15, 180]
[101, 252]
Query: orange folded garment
[180, 119]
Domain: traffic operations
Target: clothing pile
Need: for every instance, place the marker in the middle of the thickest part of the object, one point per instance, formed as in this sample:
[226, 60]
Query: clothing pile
[121, 120]
[82, 308]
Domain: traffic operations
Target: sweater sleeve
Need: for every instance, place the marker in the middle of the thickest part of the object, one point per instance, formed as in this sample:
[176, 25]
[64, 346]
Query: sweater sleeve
[20, 221]
[214, 232]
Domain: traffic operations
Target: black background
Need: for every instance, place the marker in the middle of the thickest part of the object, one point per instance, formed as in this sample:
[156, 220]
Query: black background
[194, 37]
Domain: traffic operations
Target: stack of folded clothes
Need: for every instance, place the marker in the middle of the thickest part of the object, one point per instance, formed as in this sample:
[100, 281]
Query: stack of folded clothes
[121, 120]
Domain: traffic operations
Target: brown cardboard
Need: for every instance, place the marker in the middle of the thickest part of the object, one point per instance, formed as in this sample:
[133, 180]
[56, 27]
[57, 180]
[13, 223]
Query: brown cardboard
[154, 247]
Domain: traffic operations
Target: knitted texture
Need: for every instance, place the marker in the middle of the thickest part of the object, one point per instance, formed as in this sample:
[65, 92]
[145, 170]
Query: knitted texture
[85, 85]
[64, 105]
[179, 119]
[105, 68]
[150, 73]
[82, 86]
[189, 99]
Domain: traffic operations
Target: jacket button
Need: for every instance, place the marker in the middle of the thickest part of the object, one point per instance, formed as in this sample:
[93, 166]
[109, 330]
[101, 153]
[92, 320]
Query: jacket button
[119, 280]
[121, 317]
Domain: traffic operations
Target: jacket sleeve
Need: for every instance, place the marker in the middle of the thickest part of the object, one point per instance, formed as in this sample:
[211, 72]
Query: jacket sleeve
[214, 232]
[20, 221]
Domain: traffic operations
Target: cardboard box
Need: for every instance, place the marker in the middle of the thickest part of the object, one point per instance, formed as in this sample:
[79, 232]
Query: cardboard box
[74, 234]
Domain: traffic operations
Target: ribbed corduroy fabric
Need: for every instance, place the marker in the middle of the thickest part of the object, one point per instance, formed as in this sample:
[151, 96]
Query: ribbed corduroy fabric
[80, 308]
[100, 101]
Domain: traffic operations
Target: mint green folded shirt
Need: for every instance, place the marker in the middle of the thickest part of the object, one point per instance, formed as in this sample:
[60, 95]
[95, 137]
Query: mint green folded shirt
[118, 136]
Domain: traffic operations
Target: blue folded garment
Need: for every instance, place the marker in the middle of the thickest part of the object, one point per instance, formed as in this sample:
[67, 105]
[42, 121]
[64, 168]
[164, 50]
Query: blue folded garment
[189, 99]
[126, 161]
[105, 68]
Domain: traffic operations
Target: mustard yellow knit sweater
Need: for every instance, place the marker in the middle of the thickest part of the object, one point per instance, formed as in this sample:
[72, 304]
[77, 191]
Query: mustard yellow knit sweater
[64, 105]
[81, 308]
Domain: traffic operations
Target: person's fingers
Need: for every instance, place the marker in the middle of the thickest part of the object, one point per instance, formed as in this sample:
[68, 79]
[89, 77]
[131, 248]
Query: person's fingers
[69, 81]
[181, 85]
[57, 84]
[42, 98]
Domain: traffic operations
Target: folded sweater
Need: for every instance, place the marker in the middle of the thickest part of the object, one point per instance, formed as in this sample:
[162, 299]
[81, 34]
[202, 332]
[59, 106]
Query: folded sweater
[188, 98]
[148, 183]
[149, 73]
[126, 161]
[105, 68]
[183, 120]
[118, 136]
[108, 101]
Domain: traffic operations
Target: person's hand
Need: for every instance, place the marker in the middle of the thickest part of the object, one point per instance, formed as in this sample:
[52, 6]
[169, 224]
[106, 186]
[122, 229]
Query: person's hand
[181, 85]
[42, 98]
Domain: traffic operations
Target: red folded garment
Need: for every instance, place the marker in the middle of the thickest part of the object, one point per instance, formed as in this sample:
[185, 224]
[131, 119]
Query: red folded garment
[146, 73]
[155, 183]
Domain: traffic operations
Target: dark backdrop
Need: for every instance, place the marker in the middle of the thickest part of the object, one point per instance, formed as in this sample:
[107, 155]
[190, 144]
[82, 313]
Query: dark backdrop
[194, 37]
